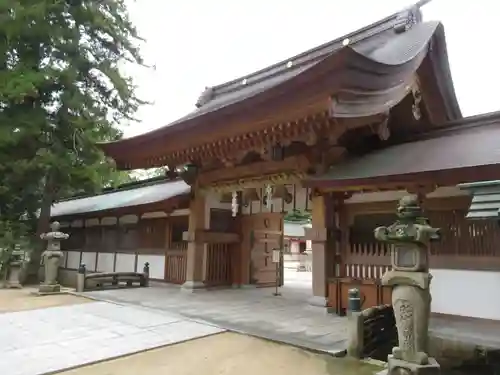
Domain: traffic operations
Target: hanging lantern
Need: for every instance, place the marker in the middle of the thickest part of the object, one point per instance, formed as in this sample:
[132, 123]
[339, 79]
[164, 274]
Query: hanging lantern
[234, 203]
[269, 196]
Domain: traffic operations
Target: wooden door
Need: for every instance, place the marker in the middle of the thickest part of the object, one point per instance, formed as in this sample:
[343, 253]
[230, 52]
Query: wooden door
[264, 232]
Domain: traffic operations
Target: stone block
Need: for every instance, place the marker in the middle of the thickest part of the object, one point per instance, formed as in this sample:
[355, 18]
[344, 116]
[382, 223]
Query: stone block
[46, 288]
[400, 367]
[14, 276]
[355, 335]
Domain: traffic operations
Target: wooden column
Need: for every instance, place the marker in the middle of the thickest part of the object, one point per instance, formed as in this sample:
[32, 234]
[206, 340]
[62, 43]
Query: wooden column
[323, 249]
[196, 249]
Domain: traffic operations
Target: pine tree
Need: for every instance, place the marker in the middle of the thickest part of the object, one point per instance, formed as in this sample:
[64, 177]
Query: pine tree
[61, 92]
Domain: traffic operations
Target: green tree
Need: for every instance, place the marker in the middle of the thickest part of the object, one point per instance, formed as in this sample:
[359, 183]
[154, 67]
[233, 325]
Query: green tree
[61, 92]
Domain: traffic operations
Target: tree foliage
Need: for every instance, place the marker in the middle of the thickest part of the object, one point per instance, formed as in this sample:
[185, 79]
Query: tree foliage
[61, 92]
[298, 216]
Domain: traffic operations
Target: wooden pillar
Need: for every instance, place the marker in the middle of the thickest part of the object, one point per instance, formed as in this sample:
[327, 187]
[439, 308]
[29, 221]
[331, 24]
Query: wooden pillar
[196, 249]
[323, 249]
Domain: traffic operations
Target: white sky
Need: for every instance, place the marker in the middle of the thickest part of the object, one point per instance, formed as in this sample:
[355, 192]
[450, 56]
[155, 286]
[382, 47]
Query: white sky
[199, 43]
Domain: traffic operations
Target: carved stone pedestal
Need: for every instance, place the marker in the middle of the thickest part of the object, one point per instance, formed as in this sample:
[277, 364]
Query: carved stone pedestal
[400, 367]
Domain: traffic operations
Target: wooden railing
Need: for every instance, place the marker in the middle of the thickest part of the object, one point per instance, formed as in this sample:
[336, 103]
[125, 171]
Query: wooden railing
[176, 262]
[218, 271]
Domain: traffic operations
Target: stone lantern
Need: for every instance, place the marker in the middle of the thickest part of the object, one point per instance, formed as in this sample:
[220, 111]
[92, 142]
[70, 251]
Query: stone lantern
[52, 258]
[410, 278]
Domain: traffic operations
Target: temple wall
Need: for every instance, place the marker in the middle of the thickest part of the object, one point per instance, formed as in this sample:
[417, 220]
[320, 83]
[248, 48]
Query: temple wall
[466, 293]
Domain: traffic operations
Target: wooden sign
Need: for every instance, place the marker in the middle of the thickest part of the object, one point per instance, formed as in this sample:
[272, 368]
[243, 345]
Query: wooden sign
[276, 255]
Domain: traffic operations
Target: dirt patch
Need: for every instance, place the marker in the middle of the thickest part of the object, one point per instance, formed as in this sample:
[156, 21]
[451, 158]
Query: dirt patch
[22, 299]
[227, 353]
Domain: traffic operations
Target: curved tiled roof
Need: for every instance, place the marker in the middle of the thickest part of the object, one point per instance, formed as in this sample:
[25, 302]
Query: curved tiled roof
[368, 72]
[122, 198]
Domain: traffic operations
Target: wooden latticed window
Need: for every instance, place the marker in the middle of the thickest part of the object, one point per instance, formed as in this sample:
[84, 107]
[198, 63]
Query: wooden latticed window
[93, 238]
[109, 241]
[361, 232]
[76, 240]
[153, 233]
[460, 236]
[128, 237]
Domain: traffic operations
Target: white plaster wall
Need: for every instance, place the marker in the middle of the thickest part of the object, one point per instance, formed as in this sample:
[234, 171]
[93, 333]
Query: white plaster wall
[466, 293]
[105, 262]
[125, 262]
[156, 265]
[73, 260]
[89, 259]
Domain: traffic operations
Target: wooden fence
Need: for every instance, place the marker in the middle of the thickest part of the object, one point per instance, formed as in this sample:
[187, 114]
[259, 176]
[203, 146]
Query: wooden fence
[464, 244]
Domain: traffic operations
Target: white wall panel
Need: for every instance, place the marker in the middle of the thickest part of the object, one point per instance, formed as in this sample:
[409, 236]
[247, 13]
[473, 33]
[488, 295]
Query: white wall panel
[105, 262]
[125, 262]
[156, 265]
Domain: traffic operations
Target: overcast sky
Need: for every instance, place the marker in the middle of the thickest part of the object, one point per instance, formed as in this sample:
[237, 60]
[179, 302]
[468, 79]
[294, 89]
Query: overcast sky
[199, 43]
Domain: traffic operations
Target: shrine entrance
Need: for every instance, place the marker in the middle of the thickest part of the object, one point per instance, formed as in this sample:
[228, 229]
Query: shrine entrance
[262, 233]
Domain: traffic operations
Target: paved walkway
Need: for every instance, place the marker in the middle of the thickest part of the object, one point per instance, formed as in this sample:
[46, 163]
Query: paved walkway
[288, 318]
[47, 340]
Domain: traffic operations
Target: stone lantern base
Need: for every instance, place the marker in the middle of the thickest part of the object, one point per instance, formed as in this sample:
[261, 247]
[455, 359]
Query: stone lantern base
[47, 289]
[400, 367]
[13, 276]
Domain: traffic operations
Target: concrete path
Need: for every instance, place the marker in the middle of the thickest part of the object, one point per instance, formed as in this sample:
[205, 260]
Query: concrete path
[289, 318]
[47, 340]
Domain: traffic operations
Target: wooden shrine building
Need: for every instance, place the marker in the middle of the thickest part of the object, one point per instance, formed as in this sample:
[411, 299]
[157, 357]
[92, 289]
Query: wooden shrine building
[121, 229]
[341, 130]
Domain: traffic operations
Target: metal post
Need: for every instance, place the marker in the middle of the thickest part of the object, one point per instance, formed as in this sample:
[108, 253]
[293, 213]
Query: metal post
[276, 260]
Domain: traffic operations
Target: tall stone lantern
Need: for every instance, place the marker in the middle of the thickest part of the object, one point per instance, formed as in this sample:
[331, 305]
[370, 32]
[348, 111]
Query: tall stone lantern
[410, 278]
[52, 258]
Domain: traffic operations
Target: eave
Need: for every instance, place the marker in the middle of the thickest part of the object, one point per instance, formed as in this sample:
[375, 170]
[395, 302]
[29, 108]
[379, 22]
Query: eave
[465, 151]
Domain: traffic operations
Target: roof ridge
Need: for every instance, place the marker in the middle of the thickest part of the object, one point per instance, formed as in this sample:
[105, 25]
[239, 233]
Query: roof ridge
[308, 56]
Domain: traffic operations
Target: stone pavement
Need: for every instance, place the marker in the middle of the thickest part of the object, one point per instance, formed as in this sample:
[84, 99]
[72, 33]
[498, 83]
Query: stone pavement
[289, 318]
[44, 341]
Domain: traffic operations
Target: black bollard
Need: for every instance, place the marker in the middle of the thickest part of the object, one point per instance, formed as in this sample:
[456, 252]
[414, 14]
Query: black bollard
[82, 269]
[145, 271]
[354, 300]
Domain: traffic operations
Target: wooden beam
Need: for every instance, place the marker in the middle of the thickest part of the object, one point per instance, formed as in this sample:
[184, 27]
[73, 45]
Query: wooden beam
[294, 163]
